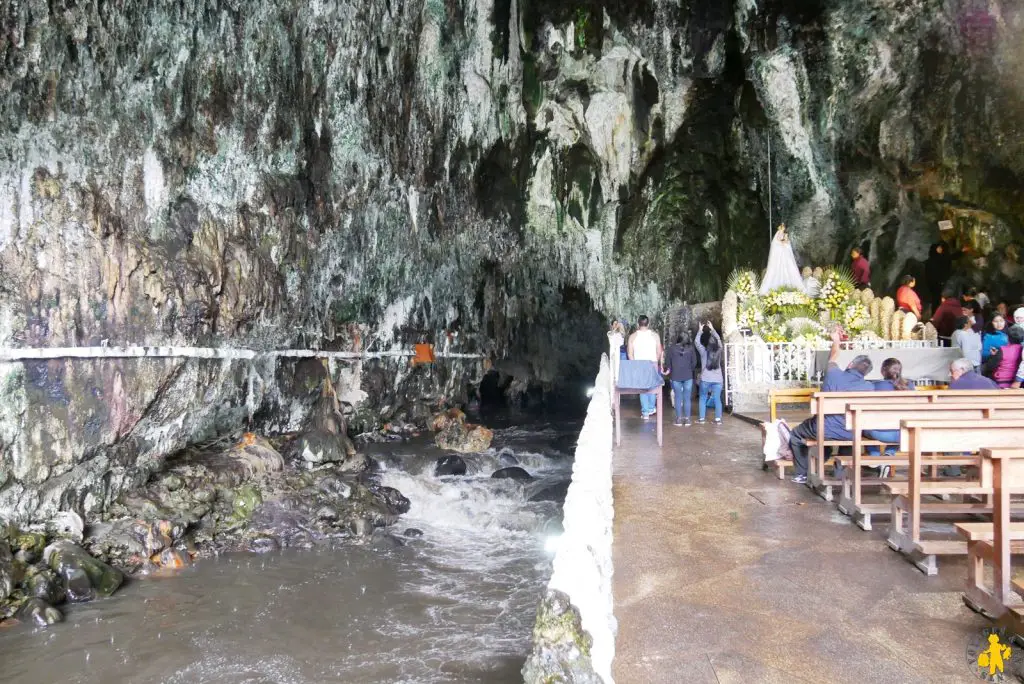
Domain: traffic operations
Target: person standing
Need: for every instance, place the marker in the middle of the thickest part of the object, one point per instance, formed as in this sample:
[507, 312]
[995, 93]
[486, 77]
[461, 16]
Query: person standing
[906, 298]
[861, 269]
[945, 316]
[645, 345]
[711, 378]
[968, 341]
[995, 336]
[681, 366]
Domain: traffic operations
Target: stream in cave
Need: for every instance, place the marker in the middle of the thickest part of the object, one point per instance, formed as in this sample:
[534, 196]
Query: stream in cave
[456, 604]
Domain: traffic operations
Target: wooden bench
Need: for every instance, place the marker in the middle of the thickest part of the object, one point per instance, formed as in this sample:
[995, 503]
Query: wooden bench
[887, 416]
[788, 395]
[919, 438]
[834, 403]
[995, 541]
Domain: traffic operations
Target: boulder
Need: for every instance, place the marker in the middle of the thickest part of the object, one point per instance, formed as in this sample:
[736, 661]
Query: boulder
[512, 473]
[84, 577]
[319, 446]
[450, 465]
[394, 501]
[464, 438]
[28, 546]
[442, 421]
[263, 543]
[39, 612]
[42, 583]
[412, 533]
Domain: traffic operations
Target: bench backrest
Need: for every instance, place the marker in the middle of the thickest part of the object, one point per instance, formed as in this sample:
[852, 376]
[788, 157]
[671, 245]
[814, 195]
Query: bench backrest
[830, 403]
[944, 436]
[887, 416]
[1012, 467]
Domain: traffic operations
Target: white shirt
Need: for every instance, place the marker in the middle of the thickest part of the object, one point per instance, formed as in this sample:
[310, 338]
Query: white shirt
[645, 345]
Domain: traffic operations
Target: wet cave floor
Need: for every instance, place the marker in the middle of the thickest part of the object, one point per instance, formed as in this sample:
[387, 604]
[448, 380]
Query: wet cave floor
[723, 573]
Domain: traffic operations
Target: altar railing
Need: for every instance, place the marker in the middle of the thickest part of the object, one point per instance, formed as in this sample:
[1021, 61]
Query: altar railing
[754, 364]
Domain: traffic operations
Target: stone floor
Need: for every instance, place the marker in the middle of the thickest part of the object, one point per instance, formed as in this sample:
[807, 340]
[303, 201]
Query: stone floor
[725, 574]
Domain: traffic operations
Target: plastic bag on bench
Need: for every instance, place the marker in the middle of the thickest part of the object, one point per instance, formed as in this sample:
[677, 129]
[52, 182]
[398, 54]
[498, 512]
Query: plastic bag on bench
[775, 440]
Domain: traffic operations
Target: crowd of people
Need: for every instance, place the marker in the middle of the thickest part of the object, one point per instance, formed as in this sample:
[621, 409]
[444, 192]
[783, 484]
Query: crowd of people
[963, 317]
[687, 361]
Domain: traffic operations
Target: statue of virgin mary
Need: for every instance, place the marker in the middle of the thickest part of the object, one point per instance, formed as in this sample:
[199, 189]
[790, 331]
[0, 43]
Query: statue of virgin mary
[782, 269]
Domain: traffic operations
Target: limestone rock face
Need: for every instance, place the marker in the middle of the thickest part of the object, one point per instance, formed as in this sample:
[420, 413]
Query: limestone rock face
[352, 175]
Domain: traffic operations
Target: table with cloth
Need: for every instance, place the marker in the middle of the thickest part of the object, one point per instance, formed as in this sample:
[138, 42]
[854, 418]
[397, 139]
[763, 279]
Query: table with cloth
[638, 377]
[930, 362]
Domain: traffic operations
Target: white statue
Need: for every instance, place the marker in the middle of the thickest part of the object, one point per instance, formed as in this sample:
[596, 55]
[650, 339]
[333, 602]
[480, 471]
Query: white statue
[782, 269]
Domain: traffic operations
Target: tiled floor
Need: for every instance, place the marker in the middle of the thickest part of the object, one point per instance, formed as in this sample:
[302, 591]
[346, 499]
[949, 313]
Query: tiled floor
[725, 574]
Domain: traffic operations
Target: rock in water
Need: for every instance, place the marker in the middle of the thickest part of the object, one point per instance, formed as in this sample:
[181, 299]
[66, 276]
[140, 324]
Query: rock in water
[42, 583]
[395, 502]
[412, 533]
[39, 612]
[464, 438]
[512, 473]
[450, 465]
[444, 420]
[84, 577]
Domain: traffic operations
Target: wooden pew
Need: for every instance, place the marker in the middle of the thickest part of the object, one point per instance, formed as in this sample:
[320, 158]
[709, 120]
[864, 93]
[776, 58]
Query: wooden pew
[832, 403]
[788, 395]
[920, 437]
[887, 416]
[995, 541]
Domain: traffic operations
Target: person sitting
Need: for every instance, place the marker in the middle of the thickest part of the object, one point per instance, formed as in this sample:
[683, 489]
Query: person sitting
[968, 341]
[892, 381]
[1004, 363]
[906, 298]
[836, 380]
[964, 377]
[861, 269]
[681, 367]
[995, 336]
[945, 316]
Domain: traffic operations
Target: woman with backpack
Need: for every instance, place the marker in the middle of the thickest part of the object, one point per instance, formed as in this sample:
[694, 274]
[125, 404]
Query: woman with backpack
[711, 378]
[681, 367]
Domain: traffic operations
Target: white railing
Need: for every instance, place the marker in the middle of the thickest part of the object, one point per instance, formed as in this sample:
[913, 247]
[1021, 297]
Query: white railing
[754, 363]
[582, 568]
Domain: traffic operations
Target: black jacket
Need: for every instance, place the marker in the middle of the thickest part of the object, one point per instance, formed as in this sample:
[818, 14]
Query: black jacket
[682, 362]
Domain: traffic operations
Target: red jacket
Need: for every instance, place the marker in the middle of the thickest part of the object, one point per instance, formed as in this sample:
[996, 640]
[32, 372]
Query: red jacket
[945, 316]
[861, 271]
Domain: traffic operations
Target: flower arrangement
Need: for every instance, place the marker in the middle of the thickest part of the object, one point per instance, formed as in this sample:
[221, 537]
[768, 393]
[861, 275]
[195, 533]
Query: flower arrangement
[856, 317]
[787, 301]
[744, 284]
[836, 288]
[751, 314]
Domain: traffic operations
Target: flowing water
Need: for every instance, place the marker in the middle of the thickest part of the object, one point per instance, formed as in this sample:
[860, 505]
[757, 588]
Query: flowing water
[455, 605]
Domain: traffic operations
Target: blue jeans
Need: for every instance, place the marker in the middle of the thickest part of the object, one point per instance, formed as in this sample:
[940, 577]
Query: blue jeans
[648, 403]
[684, 391]
[713, 390]
[887, 436]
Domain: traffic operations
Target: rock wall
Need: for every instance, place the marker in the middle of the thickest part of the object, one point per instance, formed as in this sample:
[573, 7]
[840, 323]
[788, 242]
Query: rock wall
[359, 174]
